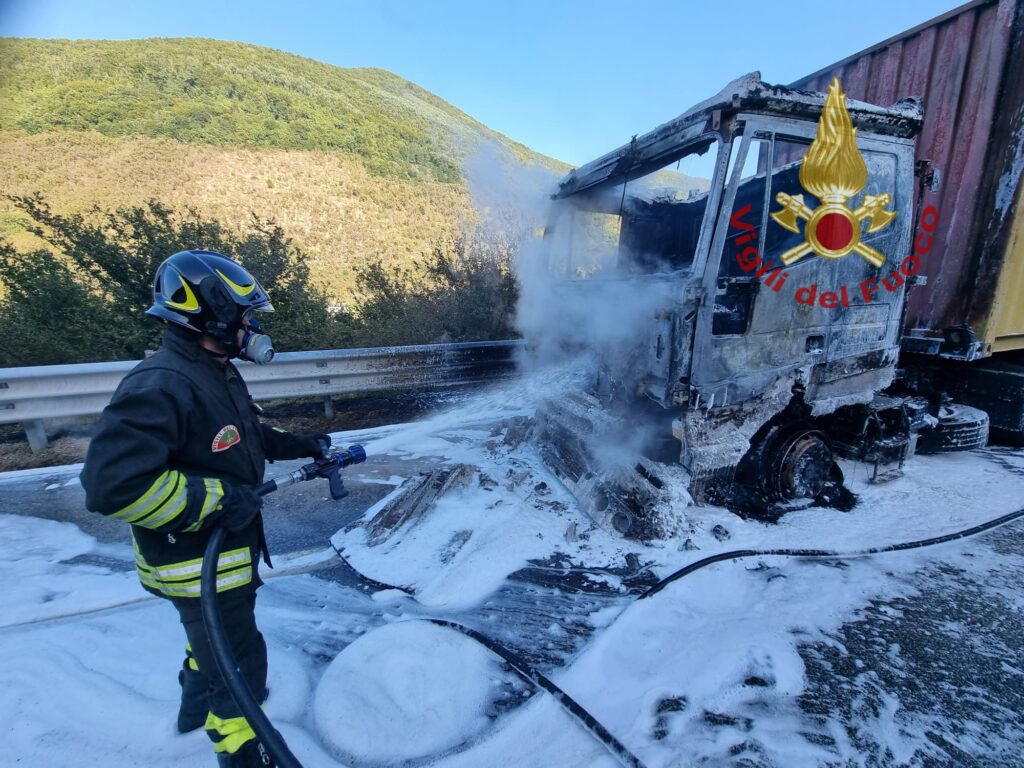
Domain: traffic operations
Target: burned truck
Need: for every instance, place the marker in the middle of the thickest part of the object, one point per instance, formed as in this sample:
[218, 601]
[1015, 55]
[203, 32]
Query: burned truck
[760, 250]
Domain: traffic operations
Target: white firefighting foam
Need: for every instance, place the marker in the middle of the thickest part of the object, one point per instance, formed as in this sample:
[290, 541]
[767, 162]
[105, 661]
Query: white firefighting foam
[715, 663]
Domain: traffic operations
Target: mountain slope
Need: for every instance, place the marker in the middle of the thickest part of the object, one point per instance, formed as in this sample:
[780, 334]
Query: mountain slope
[233, 94]
[353, 162]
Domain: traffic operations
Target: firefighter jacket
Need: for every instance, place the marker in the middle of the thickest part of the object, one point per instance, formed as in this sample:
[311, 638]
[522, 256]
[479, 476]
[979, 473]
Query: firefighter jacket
[180, 429]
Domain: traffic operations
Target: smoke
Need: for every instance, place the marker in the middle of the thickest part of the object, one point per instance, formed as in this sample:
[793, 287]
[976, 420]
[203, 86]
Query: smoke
[595, 306]
[575, 303]
[603, 275]
[608, 317]
[511, 197]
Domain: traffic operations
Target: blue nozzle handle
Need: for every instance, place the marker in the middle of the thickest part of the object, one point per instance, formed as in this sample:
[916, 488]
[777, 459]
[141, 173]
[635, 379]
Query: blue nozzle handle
[354, 454]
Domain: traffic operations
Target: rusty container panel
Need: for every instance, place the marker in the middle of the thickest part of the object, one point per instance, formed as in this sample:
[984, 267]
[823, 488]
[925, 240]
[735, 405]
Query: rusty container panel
[968, 68]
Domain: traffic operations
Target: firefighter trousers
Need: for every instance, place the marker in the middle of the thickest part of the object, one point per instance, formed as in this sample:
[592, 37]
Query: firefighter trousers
[225, 725]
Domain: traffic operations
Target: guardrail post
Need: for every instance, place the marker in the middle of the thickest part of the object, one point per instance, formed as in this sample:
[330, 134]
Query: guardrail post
[328, 407]
[36, 434]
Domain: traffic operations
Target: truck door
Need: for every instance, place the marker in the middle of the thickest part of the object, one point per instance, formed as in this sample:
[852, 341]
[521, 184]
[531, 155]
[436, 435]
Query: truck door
[762, 319]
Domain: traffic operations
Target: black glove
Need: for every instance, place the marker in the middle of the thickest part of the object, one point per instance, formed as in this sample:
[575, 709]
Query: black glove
[312, 444]
[239, 508]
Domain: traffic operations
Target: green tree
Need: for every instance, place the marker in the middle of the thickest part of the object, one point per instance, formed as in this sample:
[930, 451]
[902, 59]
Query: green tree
[302, 318]
[47, 317]
[96, 281]
[83, 299]
[465, 289]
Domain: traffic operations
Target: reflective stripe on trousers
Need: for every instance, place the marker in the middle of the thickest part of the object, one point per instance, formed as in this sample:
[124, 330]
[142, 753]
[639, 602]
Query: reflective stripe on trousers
[228, 735]
[234, 569]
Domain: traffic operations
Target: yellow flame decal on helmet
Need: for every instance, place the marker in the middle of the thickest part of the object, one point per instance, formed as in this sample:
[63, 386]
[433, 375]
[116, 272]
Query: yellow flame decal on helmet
[190, 304]
[241, 290]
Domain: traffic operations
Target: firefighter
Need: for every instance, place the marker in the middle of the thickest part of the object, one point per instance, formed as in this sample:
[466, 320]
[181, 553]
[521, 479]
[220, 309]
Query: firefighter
[181, 450]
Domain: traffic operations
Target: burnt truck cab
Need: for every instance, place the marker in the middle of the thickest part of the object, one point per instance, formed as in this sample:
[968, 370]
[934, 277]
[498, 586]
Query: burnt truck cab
[725, 340]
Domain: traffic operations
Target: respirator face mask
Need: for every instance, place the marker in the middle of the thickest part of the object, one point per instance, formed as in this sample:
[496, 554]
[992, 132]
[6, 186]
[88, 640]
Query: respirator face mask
[255, 346]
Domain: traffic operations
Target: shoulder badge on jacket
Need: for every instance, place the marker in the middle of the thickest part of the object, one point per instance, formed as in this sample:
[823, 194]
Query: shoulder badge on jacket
[227, 437]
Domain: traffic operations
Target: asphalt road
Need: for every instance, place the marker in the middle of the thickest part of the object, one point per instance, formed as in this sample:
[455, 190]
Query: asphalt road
[950, 657]
[298, 518]
[941, 670]
[932, 679]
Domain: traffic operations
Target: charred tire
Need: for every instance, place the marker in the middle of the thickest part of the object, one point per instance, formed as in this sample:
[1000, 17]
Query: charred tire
[788, 462]
[960, 428]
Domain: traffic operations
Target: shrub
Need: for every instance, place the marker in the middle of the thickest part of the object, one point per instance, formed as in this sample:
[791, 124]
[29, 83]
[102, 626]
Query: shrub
[229, 94]
[47, 317]
[83, 299]
[463, 290]
[96, 283]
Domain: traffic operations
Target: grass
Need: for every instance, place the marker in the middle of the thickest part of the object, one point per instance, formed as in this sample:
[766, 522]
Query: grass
[328, 202]
[353, 163]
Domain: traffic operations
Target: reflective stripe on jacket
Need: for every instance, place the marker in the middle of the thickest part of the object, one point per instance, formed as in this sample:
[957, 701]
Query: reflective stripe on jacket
[234, 569]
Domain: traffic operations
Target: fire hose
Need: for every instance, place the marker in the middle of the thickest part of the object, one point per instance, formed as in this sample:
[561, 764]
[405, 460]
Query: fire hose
[328, 467]
[738, 554]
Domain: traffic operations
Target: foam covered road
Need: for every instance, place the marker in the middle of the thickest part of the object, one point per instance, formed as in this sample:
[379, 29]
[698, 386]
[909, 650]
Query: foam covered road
[911, 658]
[935, 677]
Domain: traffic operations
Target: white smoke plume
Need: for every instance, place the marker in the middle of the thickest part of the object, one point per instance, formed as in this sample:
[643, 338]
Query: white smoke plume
[565, 311]
[511, 197]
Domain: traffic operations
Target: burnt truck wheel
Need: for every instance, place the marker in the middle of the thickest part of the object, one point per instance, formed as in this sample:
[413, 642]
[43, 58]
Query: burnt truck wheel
[960, 428]
[802, 467]
[786, 463]
[797, 464]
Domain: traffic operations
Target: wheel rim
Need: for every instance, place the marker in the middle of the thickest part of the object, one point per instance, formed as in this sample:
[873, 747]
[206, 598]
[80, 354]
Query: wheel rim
[804, 466]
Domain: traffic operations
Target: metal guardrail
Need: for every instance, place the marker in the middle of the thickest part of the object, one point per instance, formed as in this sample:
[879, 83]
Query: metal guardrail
[29, 395]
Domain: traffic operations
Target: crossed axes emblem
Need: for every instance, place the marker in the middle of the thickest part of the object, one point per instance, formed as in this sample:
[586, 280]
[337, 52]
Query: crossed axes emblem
[833, 230]
[834, 171]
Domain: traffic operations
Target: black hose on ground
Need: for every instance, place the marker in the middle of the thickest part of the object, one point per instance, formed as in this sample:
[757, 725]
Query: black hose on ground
[737, 554]
[522, 668]
[268, 736]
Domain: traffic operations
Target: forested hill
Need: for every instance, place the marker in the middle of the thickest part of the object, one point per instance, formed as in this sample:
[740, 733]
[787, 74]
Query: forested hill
[352, 162]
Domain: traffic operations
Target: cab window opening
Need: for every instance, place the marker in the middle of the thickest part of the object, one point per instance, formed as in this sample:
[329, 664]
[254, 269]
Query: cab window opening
[648, 224]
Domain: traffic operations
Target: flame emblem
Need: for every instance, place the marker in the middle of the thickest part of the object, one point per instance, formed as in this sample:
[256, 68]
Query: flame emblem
[833, 171]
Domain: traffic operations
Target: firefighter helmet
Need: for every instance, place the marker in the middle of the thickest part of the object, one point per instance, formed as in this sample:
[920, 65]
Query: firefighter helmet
[207, 292]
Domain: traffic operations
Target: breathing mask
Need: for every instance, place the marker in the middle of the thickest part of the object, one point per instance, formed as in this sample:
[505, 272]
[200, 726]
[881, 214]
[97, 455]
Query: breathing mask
[256, 346]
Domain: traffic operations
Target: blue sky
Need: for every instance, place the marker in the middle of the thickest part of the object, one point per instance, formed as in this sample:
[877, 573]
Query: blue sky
[569, 78]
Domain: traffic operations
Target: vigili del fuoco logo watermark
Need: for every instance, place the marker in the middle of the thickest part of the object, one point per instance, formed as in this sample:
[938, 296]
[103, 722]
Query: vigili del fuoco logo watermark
[833, 170]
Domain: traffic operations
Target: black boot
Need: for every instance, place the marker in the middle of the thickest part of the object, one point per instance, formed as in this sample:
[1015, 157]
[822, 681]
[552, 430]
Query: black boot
[251, 755]
[194, 705]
